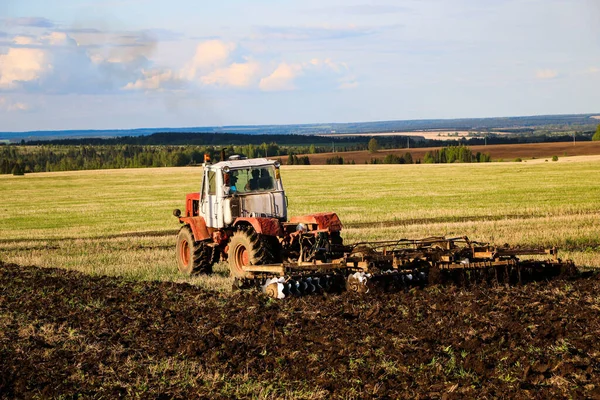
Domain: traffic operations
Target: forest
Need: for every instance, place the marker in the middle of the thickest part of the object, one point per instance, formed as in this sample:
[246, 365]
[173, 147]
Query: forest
[180, 149]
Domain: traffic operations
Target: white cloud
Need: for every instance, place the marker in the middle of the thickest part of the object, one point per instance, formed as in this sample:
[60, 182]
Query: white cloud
[58, 64]
[219, 63]
[21, 65]
[593, 70]
[286, 75]
[282, 78]
[58, 39]
[24, 40]
[209, 55]
[156, 80]
[546, 74]
[236, 74]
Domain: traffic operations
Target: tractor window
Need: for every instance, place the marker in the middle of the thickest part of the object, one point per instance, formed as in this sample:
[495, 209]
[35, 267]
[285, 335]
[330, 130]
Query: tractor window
[254, 179]
[212, 184]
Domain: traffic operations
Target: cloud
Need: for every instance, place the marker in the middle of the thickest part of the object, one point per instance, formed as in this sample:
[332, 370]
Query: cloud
[213, 64]
[76, 61]
[546, 74]
[21, 65]
[59, 39]
[209, 55]
[24, 40]
[593, 70]
[10, 106]
[31, 22]
[236, 75]
[217, 63]
[157, 80]
[282, 78]
[56, 63]
[318, 72]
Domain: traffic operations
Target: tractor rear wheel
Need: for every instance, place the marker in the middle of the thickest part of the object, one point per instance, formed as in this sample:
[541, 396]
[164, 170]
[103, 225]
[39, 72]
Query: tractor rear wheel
[193, 257]
[247, 247]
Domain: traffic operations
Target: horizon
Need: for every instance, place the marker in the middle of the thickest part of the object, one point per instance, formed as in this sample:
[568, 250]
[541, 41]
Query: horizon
[593, 121]
[101, 65]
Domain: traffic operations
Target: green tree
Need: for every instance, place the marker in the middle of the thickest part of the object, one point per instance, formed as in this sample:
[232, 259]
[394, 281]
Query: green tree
[429, 158]
[597, 134]
[373, 146]
[392, 159]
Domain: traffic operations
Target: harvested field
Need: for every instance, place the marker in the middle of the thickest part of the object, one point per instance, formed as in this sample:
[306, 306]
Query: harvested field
[507, 152]
[64, 333]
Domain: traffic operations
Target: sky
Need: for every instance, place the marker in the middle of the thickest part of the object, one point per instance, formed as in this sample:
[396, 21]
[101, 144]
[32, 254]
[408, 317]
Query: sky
[109, 64]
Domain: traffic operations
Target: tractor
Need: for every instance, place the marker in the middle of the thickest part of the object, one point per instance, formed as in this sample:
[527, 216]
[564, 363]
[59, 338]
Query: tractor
[240, 215]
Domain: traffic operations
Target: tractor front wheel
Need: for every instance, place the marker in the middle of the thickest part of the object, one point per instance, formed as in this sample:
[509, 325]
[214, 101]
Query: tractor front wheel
[193, 257]
[247, 247]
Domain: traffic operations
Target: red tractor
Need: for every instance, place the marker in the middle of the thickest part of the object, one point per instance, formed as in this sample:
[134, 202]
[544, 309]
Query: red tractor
[240, 215]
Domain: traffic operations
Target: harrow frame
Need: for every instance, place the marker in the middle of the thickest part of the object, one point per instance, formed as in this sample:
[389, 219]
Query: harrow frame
[406, 263]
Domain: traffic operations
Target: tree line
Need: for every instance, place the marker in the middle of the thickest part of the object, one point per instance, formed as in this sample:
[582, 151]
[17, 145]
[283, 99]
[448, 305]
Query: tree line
[452, 154]
[18, 160]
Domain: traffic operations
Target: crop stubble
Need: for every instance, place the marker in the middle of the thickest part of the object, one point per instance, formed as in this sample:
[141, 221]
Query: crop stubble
[118, 222]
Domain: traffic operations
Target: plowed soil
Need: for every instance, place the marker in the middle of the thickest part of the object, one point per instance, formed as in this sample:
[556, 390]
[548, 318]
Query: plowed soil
[67, 334]
[507, 152]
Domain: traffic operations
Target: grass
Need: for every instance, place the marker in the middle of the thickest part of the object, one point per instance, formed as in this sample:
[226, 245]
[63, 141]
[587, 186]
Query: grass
[119, 222]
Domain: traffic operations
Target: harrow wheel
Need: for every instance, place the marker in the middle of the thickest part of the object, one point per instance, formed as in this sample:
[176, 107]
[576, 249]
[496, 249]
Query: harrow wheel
[247, 247]
[193, 257]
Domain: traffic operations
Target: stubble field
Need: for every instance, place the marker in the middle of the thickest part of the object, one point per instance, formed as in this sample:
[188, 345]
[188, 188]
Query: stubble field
[119, 222]
[66, 333]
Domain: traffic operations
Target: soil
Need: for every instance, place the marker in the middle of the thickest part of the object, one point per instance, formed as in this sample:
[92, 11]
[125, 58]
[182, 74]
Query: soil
[507, 152]
[67, 334]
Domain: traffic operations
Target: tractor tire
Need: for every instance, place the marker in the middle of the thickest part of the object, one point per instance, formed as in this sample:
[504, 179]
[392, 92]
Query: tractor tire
[193, 257]
[247, 247]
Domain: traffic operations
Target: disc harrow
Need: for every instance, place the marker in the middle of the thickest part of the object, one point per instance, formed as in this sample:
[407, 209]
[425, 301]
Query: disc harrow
[404, 264]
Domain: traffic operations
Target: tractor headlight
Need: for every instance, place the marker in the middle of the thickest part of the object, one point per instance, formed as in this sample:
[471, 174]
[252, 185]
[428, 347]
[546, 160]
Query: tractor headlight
[301, 227]
[276, 164]
[226, 170]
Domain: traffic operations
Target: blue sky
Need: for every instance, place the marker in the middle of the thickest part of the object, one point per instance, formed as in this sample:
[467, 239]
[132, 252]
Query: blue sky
[108, 64]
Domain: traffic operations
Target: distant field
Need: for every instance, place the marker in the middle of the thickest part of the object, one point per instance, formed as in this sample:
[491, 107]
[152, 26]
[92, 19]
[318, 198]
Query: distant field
[119, 222]
[441, 134]
[506, 152]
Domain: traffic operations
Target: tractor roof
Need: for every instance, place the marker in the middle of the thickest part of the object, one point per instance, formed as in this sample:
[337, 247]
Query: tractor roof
[252, 162]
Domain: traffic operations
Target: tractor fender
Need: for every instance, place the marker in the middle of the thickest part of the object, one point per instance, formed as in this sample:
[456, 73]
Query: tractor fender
[325, 221]
[264, 226]
[198, 226]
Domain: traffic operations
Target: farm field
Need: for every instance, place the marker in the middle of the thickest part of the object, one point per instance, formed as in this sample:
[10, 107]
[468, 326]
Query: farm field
[506, 152]
[119, 222]
[429, 134]
[107, 314]
[68, 334]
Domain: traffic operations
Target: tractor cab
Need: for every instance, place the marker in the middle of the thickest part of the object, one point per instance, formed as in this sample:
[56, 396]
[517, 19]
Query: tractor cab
[241, 188]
